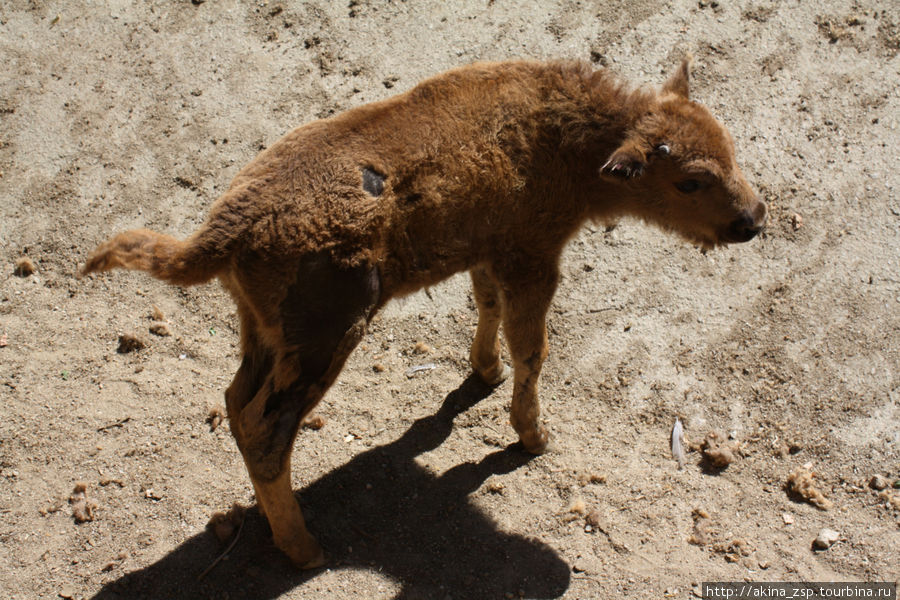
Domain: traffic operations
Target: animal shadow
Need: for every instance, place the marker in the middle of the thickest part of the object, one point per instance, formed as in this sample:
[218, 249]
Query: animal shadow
[381, 512]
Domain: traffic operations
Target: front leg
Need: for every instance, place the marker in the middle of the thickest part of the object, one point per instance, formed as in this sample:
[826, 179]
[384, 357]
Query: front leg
[527, 298]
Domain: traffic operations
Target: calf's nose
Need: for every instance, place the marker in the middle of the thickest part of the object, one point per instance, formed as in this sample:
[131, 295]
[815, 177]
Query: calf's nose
[746, 226]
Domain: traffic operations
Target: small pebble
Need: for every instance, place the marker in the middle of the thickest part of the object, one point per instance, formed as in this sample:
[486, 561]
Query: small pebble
[825, 539]
[878, 482]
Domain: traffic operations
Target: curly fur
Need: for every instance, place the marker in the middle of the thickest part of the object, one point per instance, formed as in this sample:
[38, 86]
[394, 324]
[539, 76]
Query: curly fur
[489, 168]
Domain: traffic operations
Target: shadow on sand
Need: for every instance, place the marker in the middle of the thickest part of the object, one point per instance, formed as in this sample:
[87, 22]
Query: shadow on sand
[382, 512]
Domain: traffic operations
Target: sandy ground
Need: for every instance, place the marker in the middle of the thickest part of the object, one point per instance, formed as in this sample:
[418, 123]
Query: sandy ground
[118, 115]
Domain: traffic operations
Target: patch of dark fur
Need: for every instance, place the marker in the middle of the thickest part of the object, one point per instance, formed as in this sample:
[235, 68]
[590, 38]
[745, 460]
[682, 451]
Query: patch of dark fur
[373, 182]
[321, 306]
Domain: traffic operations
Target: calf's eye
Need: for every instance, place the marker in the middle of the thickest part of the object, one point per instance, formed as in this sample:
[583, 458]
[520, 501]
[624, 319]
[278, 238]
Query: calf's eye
[687, 186]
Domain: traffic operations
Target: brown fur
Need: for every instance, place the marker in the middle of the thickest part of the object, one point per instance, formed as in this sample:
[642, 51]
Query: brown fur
[489, 168]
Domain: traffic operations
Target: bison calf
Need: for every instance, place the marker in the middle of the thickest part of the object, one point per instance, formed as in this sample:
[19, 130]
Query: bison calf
[489, 168]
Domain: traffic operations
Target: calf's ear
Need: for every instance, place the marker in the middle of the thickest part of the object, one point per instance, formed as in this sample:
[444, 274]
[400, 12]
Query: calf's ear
[679, 82]
[627, 162]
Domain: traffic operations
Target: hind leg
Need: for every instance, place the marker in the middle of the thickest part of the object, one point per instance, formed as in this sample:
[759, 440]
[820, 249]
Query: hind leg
[322, 318]
[268, 427]
[265, 440]
[277, 502]
[256, 363]
[485, 354]
[265, 435]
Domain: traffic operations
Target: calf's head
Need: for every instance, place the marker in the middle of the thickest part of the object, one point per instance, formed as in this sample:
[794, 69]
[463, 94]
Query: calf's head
[676, 168]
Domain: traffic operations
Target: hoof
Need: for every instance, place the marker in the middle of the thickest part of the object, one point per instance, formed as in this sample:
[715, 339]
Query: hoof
[315, 563]
[536, 442]
[307, 556]
[495, 376]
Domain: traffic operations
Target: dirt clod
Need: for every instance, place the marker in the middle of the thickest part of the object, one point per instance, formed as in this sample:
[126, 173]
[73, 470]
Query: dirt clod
[129, 343]
[800, 485]
[156, 314]
[733, 550]
[702, 531]
[24, 267]
[594, 519]
[223, 525]
[495, 487]
[587, 478]
[82, 507]
[215, 417]
[717, 451]
[159, 328]
[577, 506]
[314, 422]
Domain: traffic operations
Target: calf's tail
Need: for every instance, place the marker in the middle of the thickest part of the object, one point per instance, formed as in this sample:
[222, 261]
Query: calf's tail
[181, 262]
